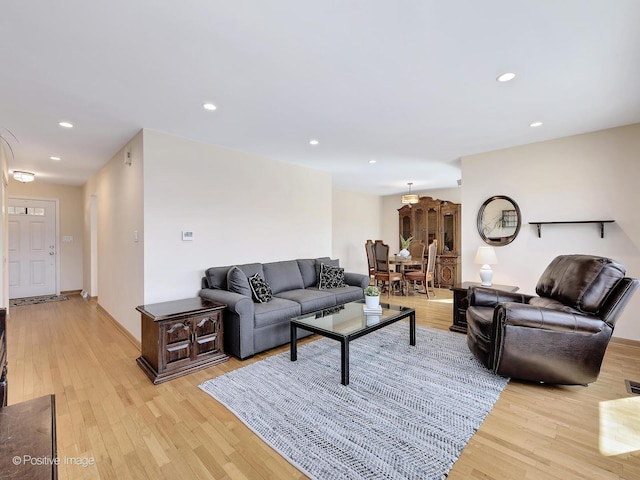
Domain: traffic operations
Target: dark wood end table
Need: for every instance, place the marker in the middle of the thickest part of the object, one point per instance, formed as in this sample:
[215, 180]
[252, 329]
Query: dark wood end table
[180, 337]
[461, 303]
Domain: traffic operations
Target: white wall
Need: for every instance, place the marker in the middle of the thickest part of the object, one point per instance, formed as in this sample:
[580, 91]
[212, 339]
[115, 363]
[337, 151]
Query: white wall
[70, 223]
[117, 189]
[392, 203]
[241, 208]
[584, 177]
[356, 218]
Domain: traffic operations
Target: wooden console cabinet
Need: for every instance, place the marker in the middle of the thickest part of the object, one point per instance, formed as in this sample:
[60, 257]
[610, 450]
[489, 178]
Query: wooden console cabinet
[180, 337]
[461, 303]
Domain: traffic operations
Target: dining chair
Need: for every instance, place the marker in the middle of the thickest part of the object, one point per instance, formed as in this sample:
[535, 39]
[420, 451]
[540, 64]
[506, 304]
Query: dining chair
[416, 250]
[425, 274]
[371, 260]
[383, 273]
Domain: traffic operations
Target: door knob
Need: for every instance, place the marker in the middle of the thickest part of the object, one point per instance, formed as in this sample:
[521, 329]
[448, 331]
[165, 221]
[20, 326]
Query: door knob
[52, 253]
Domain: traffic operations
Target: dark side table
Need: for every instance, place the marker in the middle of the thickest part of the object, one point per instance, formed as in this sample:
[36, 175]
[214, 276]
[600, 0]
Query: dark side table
[461, 303]
[180, 337]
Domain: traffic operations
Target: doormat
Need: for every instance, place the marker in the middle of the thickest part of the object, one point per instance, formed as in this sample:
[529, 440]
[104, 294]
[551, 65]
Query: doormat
[18, 302]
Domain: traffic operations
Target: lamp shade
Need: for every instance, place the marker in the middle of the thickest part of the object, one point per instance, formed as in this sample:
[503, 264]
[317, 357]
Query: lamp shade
[486, 256]
[409, 199]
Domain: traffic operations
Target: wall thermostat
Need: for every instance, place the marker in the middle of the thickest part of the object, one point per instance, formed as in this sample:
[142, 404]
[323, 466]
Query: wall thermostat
[187, 236]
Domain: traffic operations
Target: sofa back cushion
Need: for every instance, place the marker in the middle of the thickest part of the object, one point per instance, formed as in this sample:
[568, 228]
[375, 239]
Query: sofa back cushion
[217, 276]
[582, 282]
[283, 276]
[238, 282]
[307, 268]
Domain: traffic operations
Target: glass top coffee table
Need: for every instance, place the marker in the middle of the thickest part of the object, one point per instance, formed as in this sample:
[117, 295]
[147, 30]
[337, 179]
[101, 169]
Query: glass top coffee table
[348, 322]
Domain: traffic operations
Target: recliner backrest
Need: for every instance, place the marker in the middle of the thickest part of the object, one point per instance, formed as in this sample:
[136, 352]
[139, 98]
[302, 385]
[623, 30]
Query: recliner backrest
[583, 282]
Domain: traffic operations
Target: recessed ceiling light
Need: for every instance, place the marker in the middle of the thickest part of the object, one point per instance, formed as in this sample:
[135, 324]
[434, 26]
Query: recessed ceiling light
[209, 106]
[372, 161]
[54, 158]
[313, 142]
[66, 124]
[505, 77]
[535, 124]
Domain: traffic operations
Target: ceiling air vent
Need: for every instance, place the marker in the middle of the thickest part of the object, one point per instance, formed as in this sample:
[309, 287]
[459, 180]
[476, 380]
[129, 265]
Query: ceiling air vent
[632, 387]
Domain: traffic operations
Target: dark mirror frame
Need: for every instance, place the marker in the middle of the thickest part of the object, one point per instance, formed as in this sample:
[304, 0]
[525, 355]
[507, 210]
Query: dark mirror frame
[504, 240]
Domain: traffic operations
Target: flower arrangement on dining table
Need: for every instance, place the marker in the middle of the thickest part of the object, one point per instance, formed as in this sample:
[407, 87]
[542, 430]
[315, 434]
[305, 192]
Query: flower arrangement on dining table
[405, 246]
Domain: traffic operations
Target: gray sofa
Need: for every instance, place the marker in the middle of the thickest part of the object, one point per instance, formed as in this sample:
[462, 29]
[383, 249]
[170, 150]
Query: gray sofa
[251, 326]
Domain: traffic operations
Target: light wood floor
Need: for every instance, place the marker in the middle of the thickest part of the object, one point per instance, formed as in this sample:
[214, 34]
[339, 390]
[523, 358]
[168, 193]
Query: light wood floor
[107, 410]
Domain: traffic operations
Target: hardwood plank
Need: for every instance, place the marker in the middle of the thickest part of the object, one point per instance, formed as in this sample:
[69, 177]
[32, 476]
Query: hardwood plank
[108, 409]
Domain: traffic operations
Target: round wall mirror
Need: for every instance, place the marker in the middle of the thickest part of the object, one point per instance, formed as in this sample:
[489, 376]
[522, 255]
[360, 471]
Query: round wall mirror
[499, 220]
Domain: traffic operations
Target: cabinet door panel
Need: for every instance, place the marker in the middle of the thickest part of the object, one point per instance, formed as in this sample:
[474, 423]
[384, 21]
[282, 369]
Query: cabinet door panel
[207, 334]
[177, 352]
[176, 340]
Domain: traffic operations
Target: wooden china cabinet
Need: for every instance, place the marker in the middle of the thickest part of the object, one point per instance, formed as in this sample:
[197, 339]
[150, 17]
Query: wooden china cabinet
[432, 219]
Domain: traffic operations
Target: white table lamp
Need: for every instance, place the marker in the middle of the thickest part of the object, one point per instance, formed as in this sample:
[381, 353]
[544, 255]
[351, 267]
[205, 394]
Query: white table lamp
[486, 256]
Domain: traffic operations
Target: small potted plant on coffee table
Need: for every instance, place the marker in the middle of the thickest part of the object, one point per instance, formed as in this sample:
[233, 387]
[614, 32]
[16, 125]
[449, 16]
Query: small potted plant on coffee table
[372, 296]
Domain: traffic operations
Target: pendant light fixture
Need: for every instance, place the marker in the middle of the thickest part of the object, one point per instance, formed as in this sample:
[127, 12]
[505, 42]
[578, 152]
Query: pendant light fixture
[410, 198]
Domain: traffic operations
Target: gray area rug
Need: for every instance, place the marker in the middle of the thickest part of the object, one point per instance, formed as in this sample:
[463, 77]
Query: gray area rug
[17, 302]
[407, 413]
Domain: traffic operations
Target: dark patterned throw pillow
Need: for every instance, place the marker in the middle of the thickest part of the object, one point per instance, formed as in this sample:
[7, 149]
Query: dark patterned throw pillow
[331, 277]
[260, 289]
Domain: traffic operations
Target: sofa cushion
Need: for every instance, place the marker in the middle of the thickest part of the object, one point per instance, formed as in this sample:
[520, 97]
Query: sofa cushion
[343, 294]
[581, 281]
[307, 268]
[261, 292]
[238, 282]
[283, 276]
[310, 299]
[331, 277]
[277, 311]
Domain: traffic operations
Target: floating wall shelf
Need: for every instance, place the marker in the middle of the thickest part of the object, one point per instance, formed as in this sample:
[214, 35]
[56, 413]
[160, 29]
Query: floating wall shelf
[601, 222]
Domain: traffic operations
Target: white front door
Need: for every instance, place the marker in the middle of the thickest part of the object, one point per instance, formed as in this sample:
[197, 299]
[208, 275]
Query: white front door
[32, 248]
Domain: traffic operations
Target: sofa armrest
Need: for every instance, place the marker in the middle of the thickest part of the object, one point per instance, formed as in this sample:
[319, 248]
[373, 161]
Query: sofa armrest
[238, 321]
[490, 297]
[235, 302]
[356, 280]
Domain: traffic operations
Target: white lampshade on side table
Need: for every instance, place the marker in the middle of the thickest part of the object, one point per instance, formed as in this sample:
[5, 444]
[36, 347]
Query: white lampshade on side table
[486, 256]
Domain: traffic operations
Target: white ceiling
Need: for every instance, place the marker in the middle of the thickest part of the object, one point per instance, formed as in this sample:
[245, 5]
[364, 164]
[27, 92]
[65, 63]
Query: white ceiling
[409, 83]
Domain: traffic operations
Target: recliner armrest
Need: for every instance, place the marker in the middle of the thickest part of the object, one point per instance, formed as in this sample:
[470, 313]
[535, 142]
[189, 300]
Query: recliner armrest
[490, 297]
[524, 315]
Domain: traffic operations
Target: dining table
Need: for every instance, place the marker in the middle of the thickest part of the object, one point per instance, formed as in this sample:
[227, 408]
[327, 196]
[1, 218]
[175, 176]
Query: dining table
[401, 262]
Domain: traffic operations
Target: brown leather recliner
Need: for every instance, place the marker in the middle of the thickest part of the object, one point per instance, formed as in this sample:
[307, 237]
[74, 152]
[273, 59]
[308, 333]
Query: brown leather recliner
[559, 336]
